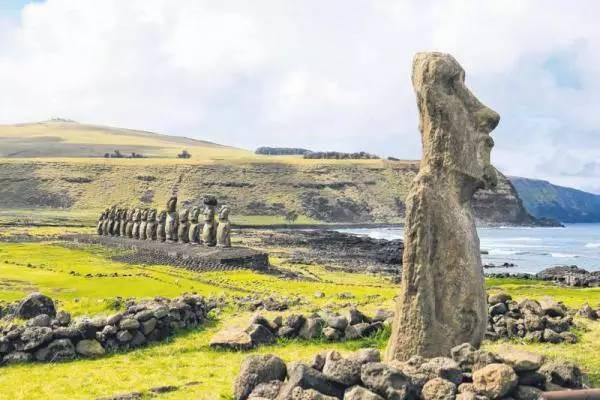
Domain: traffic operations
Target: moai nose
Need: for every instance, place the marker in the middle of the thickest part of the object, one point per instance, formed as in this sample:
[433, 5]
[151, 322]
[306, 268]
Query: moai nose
[487, 119]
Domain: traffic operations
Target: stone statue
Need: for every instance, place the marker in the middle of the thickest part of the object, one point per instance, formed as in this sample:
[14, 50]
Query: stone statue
[209, 230]
[151, 225]
[172, 220]
[143, 223]
[100, 222]
[160, 226]
[106, 222]
[184, 226]
[442, 301]
[195, 227]
[116, 228]
[224, 228]
[129, 225]
[123, 225]
[137, 221]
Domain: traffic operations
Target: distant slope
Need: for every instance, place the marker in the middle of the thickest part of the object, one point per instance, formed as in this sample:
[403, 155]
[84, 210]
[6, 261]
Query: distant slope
[60, 138]
[543, 199]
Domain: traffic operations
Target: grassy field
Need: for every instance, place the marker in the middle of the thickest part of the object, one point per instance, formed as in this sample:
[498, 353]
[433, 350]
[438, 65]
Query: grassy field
[186, 361]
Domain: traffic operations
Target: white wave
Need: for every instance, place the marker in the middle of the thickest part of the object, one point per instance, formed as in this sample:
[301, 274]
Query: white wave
[592, 245]
[563, 255]
[501, 252]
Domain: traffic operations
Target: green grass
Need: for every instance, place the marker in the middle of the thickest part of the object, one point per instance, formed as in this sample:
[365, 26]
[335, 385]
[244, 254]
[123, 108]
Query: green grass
[186, 358]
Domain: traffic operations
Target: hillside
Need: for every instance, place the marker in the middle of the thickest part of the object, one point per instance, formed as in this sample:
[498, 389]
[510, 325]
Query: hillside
[62, 138]
[260, 189]
[543, 199]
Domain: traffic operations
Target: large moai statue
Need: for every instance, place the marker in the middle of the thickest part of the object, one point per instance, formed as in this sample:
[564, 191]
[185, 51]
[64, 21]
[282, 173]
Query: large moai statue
[209, 230]
[151, 225]
[195, 230]
[161, 235]
[123, 225]
[106, 222]
[116, 225]
[183, 229]
[129, 227]
[172, 220]
[100, 222]
[137, 220]
[143, 223]
[442, 302]
[224, 228]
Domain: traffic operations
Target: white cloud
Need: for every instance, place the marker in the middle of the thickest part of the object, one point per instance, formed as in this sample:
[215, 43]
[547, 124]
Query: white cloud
[323, 75]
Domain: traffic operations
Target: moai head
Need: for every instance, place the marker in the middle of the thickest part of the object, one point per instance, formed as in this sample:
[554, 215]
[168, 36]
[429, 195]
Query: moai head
[137, 215]
[455, 126]
[209, 214]
[210, 200]
[162, 217]
[152, 215]
[224, 213]
[172, 204]
[183, 215]
[194, 214]
[144, 214]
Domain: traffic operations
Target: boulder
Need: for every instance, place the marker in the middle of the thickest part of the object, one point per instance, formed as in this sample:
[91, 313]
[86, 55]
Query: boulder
[360, 393]
[305, 377]
[295, 321]
[63, 318]
[442, 367]
[527, 393]
[57, 350]
[385, 380]
[35, 304]
[268, 390]
[34, 337]
[534, 322]
[552, 308]
[17, 357]
[148, 325]
[495, 380]
[312, 328]
[124, 336]
[532, 378]
[498, 298]
[337, 322]
[366, 355]
[129, 323]
[381, 315]
[40, 320]
[257, 369]
[563, 373]
[551, 337]
[332, 334]
[138, 339]
[356, 317]
[438, 389]
[568, 337]
[260, 335]
[342, 370]
[497, 309]
[587, 312]
[309, 394]
[521, 360]
[351, 333]
[286, 332]
[89, 348]
[232, 339]
[531, 306]
[260, 320]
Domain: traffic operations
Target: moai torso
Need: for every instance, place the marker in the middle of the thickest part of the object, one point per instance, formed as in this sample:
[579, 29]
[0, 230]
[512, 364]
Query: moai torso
[143, 224]
[116, 230]
[123, 224]
[151, 225]
[224, 228]
[442, 301]
[137, 220]
[172, 220]
[100, 223]
[184, 226]
[160, 226]
[209, 230]
[195, 230]
[129, 226]
[106, 222]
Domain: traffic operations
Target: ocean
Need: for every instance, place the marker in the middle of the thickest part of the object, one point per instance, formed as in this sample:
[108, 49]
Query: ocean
[530, 249]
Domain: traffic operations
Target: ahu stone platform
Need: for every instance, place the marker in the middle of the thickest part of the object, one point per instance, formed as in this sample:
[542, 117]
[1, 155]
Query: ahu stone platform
[189, 256]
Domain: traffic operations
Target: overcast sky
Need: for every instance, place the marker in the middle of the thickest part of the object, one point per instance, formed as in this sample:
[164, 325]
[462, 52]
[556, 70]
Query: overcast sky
[326, 75]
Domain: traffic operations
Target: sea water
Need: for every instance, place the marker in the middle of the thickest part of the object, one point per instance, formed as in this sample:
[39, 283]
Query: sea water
[530, 249]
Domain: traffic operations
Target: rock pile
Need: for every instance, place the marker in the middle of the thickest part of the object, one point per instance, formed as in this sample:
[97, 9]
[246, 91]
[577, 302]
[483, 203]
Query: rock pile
[469, 374]
[570, 276]
[545, 321]
[331, 327]
[588, 312]
[52, 336]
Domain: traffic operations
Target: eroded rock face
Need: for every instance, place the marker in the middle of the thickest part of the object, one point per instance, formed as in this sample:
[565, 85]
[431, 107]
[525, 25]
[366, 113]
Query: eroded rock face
[442, 302]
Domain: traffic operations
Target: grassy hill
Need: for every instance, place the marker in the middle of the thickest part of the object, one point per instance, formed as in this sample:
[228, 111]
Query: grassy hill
[543, 199]
[60, 173]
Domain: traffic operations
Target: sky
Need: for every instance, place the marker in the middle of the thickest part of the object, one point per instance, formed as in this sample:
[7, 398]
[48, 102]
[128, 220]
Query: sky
[323, 75]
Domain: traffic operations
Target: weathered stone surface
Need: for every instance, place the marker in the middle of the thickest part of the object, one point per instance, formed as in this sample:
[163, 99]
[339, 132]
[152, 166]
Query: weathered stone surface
[498, 298]
[521, 360]
[438, 389]
[57, 350]
[343, 370]
[312, 328]
[255, 370]
[231, 338]
[90, 348]
[563, 373]
[495, 380]
[260, 335]
[224, 228]
[442, 367]
[443, 302]
[527, 393]
[305, 377]
[360, 393]
[384, 380]
[268, 390]
[35, 304]
[552, 308]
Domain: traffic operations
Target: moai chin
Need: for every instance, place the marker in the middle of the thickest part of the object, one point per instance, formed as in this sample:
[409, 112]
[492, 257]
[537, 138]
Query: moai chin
[160, 226]
[442, 301]
[224, 228]
[184, 226]
[123, 224]
[151, 225]
[172, 220]
[143, 223]
[195, 227]
[209, 230]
